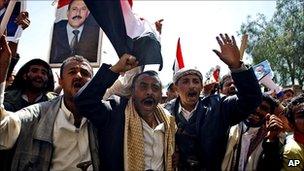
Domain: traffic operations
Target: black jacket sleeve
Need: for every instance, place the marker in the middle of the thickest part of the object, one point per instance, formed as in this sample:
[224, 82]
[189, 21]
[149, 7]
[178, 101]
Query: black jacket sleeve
[270, 158]
[248, 98]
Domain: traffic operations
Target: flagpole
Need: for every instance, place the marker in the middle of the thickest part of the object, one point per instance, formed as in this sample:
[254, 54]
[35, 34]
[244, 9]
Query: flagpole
[243, 45]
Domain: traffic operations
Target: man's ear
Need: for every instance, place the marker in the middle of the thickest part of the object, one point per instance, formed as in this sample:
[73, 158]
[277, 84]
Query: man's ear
[60, 81]
[87, 14]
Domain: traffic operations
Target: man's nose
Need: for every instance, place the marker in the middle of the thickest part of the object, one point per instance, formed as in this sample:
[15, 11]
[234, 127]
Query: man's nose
[192, 84]
[149, 91]
[78, 75]
[40, 74]
[78, 11]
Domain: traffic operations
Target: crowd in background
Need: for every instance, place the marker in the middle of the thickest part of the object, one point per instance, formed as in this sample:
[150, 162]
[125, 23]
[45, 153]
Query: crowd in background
[89, 124]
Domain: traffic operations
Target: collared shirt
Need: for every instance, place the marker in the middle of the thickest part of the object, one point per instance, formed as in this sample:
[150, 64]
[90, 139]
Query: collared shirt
[71, 34]
[154, 143]
[2, 89]
[24, 97]
[71, 144]
[2, 11]
[187, 115]
[247, 135]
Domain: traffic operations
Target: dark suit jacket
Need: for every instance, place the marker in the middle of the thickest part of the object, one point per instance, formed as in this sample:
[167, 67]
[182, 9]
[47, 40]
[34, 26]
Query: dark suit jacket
[214, 115]
[87, 45]
[108, 117]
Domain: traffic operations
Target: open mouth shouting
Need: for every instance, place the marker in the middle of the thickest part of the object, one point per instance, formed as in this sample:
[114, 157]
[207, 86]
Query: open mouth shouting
[149, 102]
[77, 85]
[192, 94]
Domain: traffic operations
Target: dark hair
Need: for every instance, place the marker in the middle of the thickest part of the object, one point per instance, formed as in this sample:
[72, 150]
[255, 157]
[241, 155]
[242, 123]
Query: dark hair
[19, 81]
[273, 103]
[288, 90]
[290, 107]
[170, 87]
[74, 58]
[149, 72]
[69, 6]
[224, 79]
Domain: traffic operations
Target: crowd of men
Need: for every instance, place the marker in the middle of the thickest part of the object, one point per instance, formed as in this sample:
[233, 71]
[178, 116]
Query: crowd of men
[235, 127]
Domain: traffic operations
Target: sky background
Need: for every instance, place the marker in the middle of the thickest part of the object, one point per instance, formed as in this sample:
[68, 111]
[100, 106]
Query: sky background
[197, 23]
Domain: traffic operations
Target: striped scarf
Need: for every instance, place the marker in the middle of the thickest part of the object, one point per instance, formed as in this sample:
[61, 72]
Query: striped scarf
[134, 158]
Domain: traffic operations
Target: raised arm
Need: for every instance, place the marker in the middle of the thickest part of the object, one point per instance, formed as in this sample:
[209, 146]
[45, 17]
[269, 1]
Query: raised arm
[5, 58]
[249, 95]
[230, 53]
[9, 125]
[89, 99]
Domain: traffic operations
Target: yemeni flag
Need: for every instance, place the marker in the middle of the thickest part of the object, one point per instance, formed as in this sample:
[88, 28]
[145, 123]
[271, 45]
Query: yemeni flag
[216, 73]
[127, 33]
[61, 12]
[179, 61]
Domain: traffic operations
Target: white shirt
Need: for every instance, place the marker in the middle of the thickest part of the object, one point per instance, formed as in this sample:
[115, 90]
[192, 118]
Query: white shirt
[246, 138]
[71, 34]
[154, 143]
[71, 144]
[24, 97]
[2, 11]
[187, 115]
[2, 89]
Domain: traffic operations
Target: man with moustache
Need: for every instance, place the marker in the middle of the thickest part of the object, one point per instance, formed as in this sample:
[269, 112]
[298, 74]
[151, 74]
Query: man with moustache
[76, 36]
[33, 84]
[49, 135]
[245, 146]
[288, 155]
[171, 92]
[227, 86]
[136, 133]
[203, 122]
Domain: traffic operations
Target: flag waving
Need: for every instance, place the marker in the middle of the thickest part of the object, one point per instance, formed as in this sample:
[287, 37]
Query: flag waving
[179, 61]
[62, 3]
[61, 11]
[216, 73]
[127, 33]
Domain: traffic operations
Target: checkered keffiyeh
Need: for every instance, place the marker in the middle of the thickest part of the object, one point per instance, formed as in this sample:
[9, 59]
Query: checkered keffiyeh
[134, 139]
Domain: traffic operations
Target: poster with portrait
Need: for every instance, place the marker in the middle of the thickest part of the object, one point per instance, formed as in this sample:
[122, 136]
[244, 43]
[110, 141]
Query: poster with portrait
[13, 30]
[75, 32]
[262, 69]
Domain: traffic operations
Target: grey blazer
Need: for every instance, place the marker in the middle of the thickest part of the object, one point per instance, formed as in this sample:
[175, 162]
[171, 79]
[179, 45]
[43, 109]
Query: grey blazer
[35, 142]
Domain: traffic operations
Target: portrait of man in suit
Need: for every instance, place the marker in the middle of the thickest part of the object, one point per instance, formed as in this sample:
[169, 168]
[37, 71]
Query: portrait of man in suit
[78, 35]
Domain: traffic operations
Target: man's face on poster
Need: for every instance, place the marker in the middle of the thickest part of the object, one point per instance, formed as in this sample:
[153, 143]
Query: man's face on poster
[77, 13]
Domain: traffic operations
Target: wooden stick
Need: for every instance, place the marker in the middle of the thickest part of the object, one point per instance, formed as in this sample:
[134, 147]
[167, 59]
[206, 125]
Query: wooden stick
[243, 45]
[7, 16]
